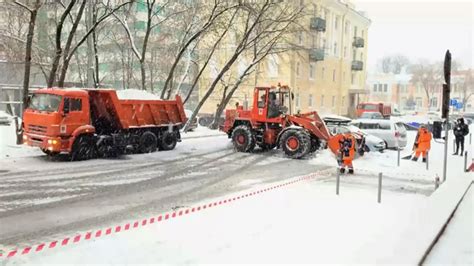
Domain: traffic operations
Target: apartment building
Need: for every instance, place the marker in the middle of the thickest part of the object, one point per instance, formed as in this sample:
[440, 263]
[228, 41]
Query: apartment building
[327, 71]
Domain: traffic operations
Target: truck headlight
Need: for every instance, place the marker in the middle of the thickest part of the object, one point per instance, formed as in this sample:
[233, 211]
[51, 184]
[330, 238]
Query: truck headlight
[25, 137]
[52, 141]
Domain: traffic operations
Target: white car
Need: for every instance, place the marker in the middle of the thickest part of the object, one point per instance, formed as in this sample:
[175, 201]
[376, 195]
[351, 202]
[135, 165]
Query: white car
[372, 143]
[393, 133]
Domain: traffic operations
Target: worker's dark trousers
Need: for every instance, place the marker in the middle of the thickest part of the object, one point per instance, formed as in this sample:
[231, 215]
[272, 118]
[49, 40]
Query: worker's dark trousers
[460, 142]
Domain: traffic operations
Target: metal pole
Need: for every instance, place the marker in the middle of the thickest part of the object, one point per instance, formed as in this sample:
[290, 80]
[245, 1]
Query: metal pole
[465, 161]
[445, 163]
[470, 138]
[398, 157]
[379, 194]
[436, 182]
[454, 145]
[337, 181]
[427, 160]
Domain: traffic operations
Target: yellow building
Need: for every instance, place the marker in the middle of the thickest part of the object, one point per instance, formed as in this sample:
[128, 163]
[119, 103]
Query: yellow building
[327, 71]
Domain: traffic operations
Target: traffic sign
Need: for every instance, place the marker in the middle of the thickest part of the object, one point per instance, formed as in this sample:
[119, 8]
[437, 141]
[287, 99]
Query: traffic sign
[453, 102]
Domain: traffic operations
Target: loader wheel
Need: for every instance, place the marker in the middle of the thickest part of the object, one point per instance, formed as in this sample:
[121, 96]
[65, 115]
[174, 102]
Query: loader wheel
[168, 141]
[243, 139]
[295, 143]
[148, 142]
[83, 148]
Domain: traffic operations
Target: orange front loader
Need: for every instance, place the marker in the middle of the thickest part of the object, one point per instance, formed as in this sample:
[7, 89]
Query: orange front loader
[87, 123]
[269, 125]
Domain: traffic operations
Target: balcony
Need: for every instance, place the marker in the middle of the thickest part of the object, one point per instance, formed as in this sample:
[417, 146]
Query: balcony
[358, 42]
[316, 55]
[318, 24]
[357, 65]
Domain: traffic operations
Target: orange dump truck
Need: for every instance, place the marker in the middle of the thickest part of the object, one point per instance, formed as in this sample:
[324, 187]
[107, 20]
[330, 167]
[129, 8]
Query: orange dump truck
[88, 123]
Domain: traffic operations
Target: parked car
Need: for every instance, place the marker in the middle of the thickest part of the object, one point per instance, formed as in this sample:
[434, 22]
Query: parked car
[371, 115]
[371, 142]
[194, 123]
[392, 132]
[5, 119]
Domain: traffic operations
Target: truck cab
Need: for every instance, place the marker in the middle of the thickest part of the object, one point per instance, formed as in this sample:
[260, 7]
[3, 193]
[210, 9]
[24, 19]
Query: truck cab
[54, 116]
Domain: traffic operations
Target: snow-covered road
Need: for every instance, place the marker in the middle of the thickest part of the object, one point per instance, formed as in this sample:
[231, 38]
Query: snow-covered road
[43, 201]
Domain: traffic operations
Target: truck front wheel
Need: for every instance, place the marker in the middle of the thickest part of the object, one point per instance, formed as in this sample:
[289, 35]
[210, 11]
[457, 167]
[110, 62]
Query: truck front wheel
[295, 143]
[168, 141]
[83, 148]
[148, 142]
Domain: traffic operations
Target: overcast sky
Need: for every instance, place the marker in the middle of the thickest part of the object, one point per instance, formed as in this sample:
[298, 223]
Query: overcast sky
[420, 29]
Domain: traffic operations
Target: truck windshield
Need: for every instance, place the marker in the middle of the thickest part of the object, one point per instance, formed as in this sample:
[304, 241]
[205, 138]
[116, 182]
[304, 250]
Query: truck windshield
[45, 102]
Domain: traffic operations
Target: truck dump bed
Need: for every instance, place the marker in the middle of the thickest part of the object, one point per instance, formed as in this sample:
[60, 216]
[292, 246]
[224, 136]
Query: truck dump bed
[136, 113]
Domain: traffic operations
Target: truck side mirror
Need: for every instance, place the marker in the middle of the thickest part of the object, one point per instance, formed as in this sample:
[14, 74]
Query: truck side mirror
[66, 106]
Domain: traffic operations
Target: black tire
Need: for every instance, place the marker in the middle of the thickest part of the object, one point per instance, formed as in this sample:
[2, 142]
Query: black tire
[83, 148]
[168, 141]
[148, 142]
[315, 143]
[296, 143]
[105, 147]
[243, 139]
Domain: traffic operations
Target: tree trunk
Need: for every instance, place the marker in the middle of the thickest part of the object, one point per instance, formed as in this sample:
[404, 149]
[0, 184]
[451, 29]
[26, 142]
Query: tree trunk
[29, 45]
[59, 51]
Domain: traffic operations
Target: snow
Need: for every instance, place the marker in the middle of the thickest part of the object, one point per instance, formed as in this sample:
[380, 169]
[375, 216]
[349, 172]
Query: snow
[134, 94]
[302, 223]
[8, 147]
[456, 244]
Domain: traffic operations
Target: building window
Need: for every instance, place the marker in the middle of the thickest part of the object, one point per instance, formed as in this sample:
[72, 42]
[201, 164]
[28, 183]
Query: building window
[311, 71]
[310, 100]
[322, 73]
[297, 69]
[380, 87]
[375, 87]
[334, 75]
[333, 101]
[322, 100]
[385, 87]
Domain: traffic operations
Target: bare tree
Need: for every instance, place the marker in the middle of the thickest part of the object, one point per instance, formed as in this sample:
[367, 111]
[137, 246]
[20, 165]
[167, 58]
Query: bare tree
[29, 44]
[193, 32]
[467, 87]
[393, 63]
[428, 75]
[264, 21]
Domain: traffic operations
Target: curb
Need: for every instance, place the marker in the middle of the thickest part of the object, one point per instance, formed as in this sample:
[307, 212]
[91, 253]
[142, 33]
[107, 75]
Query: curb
[156, 219]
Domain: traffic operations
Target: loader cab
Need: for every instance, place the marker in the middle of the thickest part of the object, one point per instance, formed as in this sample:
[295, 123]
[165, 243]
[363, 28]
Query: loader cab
[271, 103]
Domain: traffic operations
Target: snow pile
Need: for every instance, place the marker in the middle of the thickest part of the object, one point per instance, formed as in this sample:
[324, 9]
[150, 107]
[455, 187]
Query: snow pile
[134, 94]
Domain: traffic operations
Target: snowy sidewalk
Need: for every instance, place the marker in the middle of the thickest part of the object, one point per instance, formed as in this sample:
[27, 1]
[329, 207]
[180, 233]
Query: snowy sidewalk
[302, 223]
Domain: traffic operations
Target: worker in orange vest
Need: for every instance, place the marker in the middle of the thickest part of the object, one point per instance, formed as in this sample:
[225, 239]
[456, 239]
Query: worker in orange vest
[422, 143]
[347, 145]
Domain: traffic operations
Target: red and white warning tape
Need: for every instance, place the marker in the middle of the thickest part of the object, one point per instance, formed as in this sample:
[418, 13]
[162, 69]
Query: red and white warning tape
[162, 217]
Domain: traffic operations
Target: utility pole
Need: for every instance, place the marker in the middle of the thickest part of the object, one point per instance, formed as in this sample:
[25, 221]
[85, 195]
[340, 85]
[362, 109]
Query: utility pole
[445, 109]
